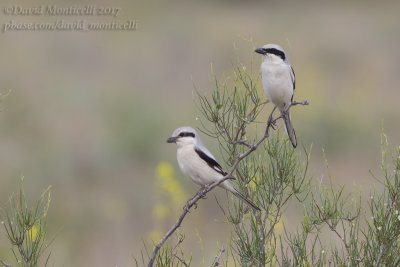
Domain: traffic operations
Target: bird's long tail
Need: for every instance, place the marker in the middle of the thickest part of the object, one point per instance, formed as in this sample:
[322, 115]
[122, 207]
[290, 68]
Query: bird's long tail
[289, 128]
[245, 200]
[230, 188]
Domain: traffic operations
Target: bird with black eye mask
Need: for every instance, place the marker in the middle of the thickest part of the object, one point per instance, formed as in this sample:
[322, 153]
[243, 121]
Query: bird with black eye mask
[198, 164]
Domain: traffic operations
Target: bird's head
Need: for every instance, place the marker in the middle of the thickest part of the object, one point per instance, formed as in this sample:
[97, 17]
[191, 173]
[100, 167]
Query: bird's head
[272, 52]
[183, 136]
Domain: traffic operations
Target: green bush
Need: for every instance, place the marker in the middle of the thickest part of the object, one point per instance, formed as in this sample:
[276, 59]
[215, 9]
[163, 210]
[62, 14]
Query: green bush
[274, 175]
[26, 227]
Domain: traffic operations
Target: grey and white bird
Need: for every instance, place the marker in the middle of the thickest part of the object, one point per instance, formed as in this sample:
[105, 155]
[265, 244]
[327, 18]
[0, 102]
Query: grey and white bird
[198, 164]
[278, 80]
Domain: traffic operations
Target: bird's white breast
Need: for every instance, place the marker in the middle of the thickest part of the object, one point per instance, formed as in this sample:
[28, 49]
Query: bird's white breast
[277, 83]
[195, 168]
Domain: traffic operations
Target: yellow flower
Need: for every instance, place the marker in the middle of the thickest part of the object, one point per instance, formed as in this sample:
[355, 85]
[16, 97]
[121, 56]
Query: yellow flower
[155, 235]
[230, 261]
[164, 169]
[279, 224]
[254, 182]
[32, 232]
[170, 200]
[160, 211]
[169, 183]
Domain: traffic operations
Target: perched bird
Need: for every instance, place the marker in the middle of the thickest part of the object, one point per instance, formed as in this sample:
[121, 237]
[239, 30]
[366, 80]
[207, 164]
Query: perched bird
[278, 80]
[198, 164]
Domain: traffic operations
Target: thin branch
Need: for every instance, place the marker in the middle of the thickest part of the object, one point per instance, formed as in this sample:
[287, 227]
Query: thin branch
[218, 257]
[277, 188]
[333, 229]
[272, 227]
[389, 211]
[202, 192]
[4, 263]
[23, 254]
[181, 260]
[304, 103]
[239, 130]
[245, 184]
[241, 142]
[378, 261]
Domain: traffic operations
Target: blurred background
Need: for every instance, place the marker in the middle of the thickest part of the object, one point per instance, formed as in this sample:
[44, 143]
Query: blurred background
[89, 112]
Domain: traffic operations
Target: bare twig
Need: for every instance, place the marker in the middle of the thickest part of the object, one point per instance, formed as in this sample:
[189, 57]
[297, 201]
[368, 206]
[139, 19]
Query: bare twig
[304, 103]
[4, 263]
[23, 254]
[181, 260]
[202, 192]
[242, 142]
[218, 257]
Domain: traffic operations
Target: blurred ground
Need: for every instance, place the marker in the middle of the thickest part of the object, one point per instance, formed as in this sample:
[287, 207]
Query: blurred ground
[89, 112]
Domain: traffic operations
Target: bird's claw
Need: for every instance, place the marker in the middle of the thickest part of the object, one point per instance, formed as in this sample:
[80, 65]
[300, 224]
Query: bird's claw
[203, 192]
[271, 122]
[186, 208]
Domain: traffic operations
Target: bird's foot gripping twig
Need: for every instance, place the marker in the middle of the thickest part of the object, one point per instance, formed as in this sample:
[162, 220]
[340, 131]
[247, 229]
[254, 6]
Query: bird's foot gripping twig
[204, 191]
[187, 208]
[191, 202]
[271, 121]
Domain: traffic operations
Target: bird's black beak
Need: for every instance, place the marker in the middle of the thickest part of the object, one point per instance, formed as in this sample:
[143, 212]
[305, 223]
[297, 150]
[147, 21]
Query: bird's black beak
[260, 51]
[171, 140]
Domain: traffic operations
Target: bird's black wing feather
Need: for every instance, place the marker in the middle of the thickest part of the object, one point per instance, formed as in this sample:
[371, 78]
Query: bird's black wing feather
[210, 161]
[293, 78]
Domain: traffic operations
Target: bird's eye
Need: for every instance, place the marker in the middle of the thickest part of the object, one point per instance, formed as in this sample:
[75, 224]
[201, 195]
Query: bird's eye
[182, 134]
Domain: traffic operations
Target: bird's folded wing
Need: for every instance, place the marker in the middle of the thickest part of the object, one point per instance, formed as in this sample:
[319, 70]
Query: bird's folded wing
[210, 161]
[293, 76]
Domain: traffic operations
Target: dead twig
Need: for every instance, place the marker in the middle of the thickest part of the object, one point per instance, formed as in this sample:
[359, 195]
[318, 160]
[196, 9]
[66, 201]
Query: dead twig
[4, 263]
[304, 103]
[218, 257]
